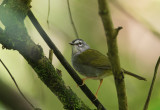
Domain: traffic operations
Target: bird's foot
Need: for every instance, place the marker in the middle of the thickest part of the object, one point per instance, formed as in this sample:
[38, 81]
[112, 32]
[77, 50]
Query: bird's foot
[82, 82]
[96, 97]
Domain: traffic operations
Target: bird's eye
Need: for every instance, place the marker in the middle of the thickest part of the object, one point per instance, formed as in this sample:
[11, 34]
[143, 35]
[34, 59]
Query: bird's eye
[80, 44]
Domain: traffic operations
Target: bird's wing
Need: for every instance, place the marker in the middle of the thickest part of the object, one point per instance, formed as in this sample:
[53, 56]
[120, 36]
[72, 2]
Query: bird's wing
[94, 58]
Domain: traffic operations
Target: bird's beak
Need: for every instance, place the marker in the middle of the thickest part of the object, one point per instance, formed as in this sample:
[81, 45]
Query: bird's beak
[71, 43]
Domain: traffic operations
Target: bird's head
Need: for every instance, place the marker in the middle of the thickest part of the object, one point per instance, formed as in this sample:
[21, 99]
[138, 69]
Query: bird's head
[78, 46]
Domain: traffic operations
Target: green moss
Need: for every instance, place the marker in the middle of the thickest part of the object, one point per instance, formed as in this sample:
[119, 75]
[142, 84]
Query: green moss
[15, 36]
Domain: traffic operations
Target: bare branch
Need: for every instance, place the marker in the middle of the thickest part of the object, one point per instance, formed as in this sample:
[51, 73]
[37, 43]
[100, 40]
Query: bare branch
[12, 15]
[50, 55]
[111, 34]
[117, 30]
[17, 85]
[49, 3]
[63, 61]
[12, 99]
[72, 22]
[152, 84]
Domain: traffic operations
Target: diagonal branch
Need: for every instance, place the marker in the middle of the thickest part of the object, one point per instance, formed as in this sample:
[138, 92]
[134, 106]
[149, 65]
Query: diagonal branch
[10, 98]
[111, 36]
[15, 36]
[17, 85]
[152, 84]
[63, 61]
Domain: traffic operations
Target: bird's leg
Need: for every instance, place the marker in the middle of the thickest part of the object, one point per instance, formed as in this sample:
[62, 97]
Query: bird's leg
[83, 80]
[101, 80]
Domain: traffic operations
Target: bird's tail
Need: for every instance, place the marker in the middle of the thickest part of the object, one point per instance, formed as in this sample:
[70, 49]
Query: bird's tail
[134, 75]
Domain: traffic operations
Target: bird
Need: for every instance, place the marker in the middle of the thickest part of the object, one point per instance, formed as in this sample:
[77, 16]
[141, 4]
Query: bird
[91, 63]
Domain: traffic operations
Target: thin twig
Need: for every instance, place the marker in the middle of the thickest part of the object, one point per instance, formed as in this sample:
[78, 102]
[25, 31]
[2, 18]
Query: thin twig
[117, 30]
[48, 12]
[152, 84]
[72, 22]
[50, 55]
[64, 62]
[16, 84]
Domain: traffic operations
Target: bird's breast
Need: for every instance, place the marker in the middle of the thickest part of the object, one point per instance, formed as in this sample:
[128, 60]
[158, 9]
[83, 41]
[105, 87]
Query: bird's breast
[89, 71]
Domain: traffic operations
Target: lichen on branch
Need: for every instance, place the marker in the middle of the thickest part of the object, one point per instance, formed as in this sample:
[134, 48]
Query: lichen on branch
[15, 36]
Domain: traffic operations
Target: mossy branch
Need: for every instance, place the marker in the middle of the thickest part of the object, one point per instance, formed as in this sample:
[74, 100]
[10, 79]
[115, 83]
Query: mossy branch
[64, 62]
[111, 35]
[15, 36]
